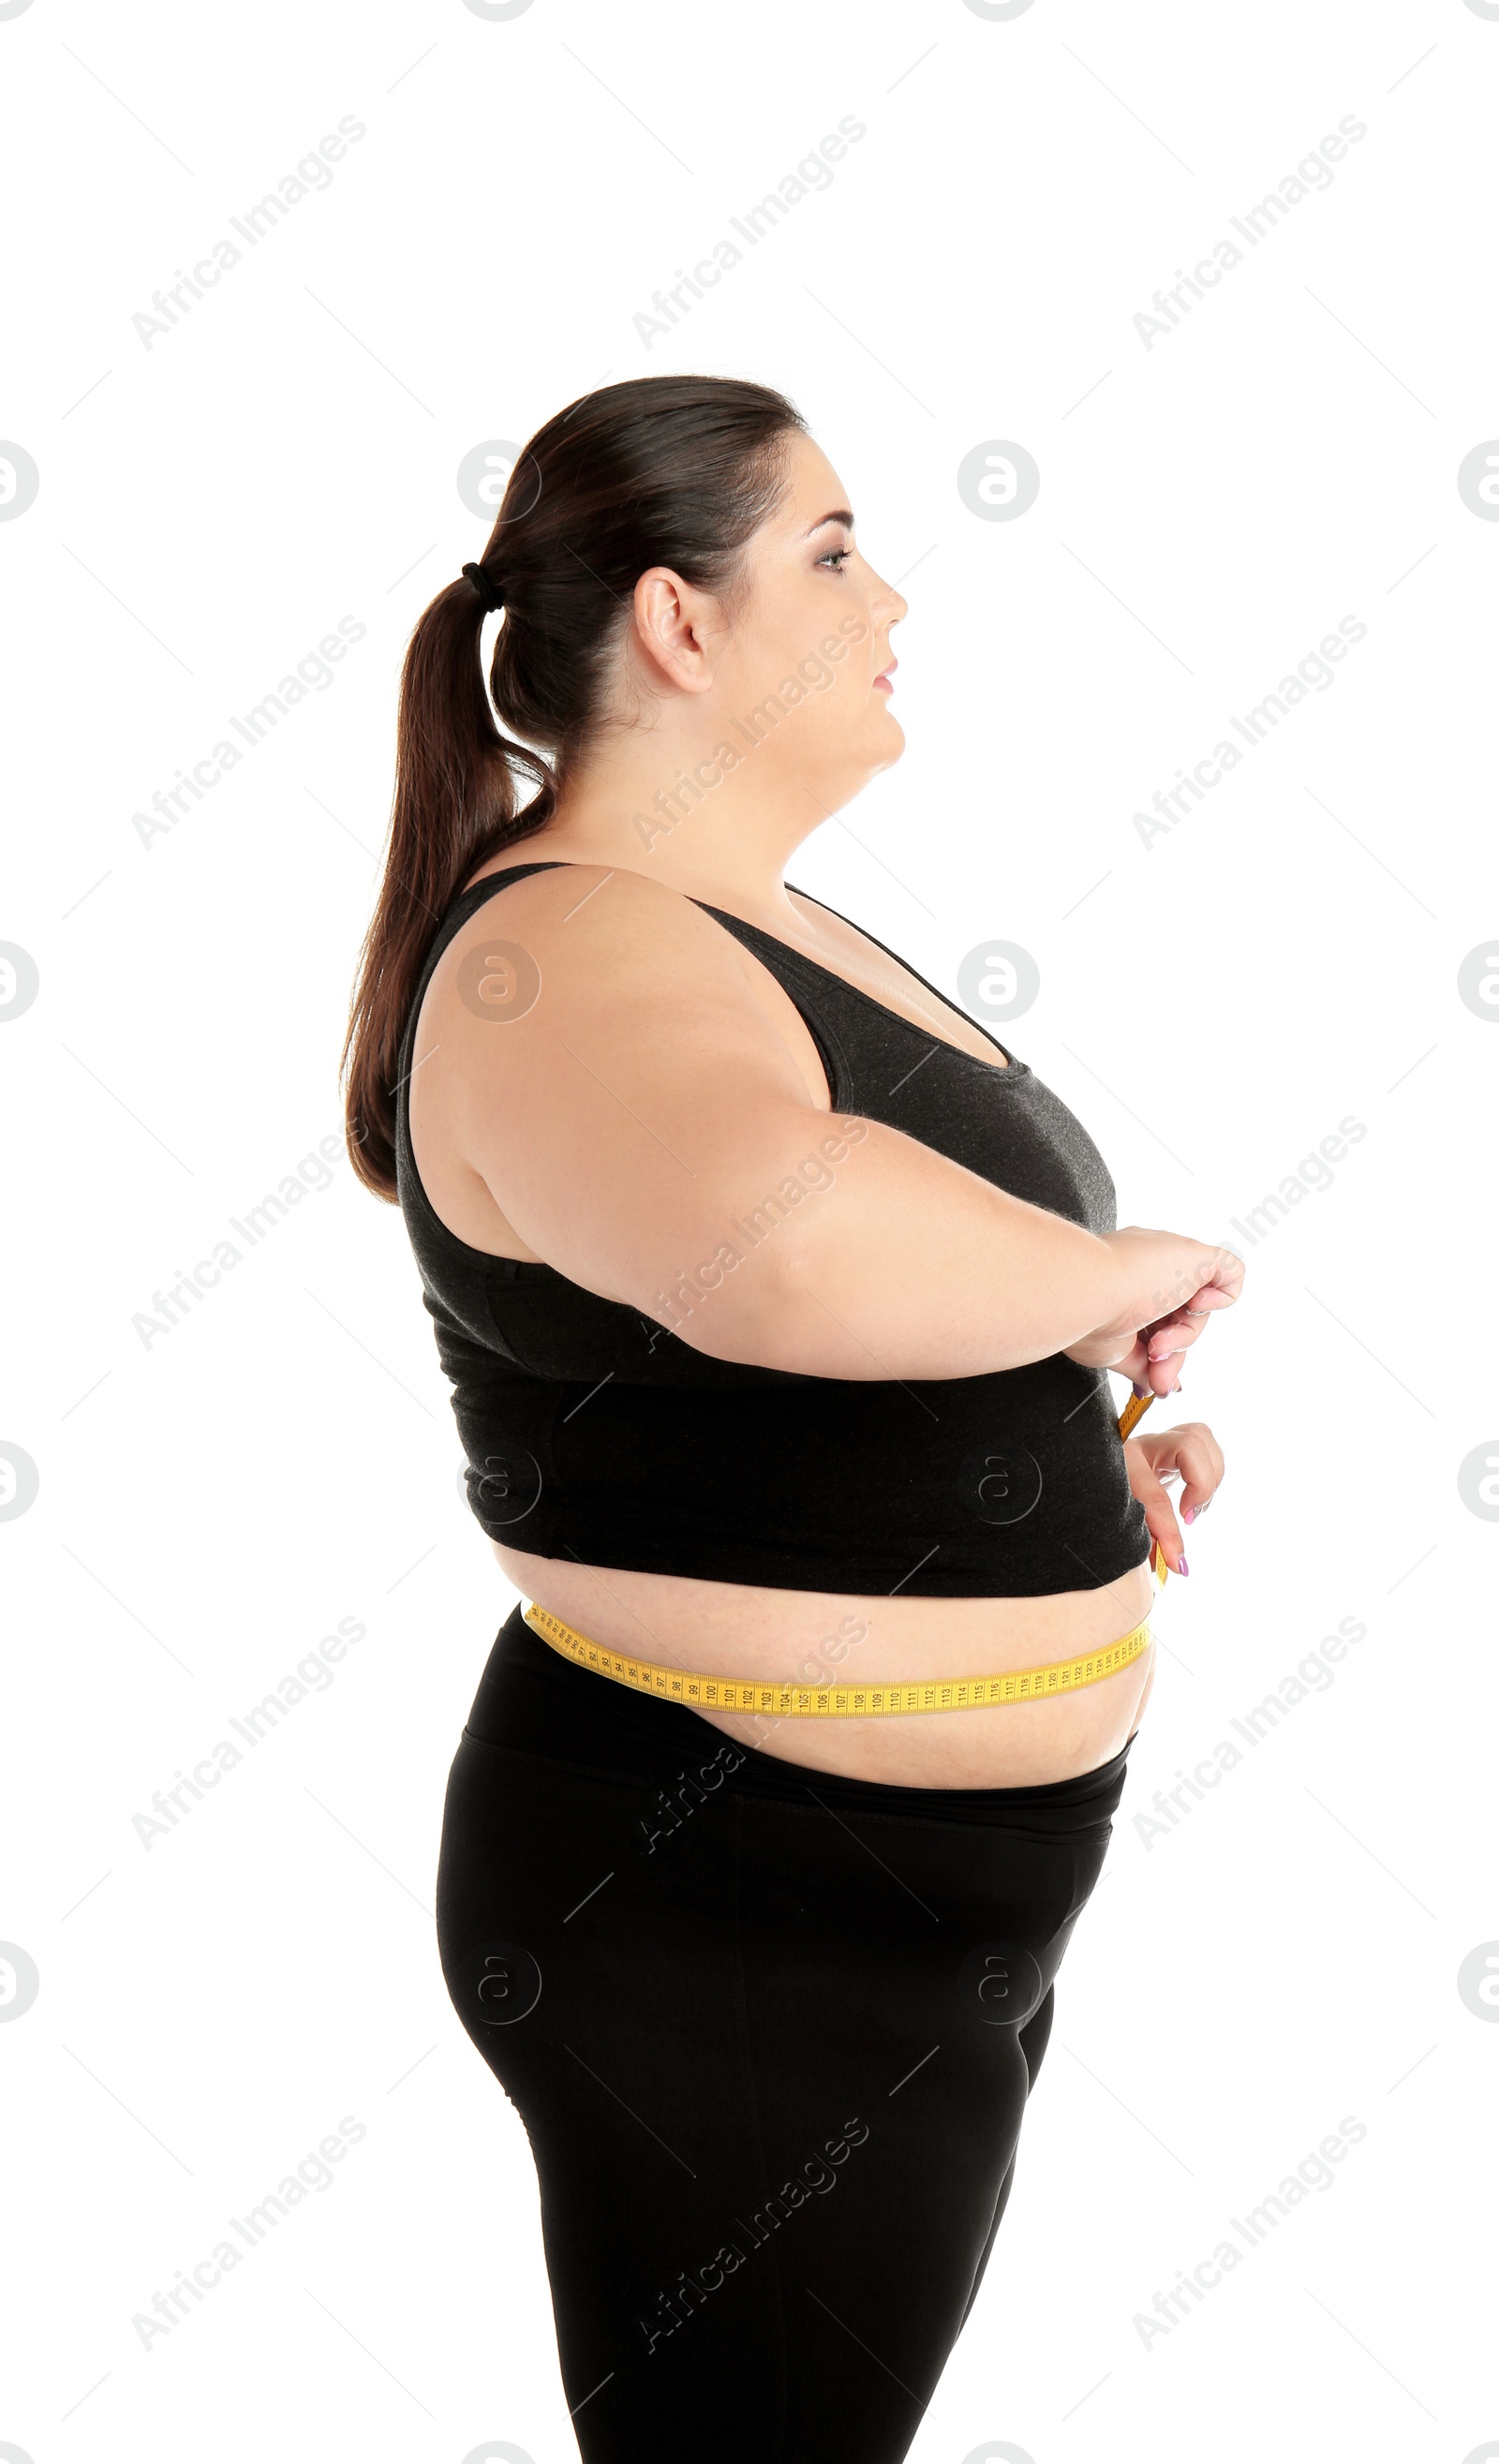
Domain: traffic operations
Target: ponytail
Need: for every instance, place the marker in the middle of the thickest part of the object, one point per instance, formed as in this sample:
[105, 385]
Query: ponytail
[673, 471]
[454, 806]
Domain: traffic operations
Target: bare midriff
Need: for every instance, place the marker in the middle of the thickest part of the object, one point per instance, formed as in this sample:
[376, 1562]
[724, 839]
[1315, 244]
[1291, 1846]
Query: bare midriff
[835, 1638]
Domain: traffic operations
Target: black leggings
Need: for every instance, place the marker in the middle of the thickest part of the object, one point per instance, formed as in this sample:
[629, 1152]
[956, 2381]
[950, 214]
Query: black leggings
[771, 2034]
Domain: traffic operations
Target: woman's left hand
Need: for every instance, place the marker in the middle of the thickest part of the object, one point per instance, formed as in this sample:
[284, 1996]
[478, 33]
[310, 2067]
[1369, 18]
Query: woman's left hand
[1193, 1451]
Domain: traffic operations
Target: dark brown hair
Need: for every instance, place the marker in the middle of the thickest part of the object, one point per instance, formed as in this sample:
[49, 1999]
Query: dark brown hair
[673, 470]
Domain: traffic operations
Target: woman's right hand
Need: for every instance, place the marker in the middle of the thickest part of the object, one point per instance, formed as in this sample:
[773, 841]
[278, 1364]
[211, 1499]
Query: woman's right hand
[1173, 1284]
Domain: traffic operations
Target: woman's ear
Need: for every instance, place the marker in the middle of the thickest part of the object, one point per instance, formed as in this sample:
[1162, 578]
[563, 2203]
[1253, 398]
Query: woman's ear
[672, 626]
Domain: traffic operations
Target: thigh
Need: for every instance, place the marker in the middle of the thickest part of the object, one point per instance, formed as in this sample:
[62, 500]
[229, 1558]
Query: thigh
[591, 1951]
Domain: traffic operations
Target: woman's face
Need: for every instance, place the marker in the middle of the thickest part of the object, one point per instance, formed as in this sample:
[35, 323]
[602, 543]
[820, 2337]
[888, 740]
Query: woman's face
[802, 662]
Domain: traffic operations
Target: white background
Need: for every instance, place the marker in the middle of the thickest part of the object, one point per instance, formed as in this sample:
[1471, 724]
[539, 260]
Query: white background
[213, 1500]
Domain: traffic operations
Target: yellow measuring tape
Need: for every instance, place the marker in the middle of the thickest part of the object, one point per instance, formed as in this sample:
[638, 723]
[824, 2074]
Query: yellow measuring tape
[871, 1702]
[836, 1702]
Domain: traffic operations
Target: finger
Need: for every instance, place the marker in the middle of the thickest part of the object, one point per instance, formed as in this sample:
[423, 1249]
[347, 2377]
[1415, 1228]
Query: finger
[1145, 1375]
[1166, 1346]
[1227, 1280]
[1198, 1453]
[1164, 1529]
[1168, 1339]
[1210, 1297]
[1176, 1334]
[1171, 1338]
[1152, 1376]
[1161, 1376]
[1199, 1459]
[1133, 1364]
[1189, 1453]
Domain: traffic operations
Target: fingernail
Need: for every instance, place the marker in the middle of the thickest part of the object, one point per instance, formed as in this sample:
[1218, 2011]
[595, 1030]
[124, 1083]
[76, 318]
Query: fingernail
[1177, 1388]
[1136, 1388]
[1189, 1514]
[1181, 1566]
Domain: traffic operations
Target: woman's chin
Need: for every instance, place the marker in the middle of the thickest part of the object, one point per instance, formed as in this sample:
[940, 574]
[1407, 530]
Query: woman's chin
[891, 738]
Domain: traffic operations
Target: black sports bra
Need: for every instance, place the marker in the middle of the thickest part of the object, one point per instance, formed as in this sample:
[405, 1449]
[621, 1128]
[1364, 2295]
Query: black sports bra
[596, 1433]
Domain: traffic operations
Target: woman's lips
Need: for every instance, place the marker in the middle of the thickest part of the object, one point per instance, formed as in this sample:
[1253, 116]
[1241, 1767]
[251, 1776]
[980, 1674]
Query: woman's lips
[882, 682]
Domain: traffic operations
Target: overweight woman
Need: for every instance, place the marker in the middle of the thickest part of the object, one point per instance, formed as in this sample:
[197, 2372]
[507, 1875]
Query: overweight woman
[778, 1302]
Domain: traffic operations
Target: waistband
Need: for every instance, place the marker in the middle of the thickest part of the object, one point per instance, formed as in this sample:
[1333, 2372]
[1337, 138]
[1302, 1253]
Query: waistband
[532, 1700]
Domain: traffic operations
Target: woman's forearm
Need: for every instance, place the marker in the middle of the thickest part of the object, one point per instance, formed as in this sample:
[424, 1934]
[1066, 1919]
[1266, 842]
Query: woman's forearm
[895, 1262]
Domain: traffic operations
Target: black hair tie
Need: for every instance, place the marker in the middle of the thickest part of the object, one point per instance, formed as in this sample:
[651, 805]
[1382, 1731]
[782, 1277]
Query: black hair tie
[489, 590]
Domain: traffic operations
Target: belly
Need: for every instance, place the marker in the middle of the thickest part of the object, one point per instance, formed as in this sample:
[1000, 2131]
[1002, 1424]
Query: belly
[832, 1638]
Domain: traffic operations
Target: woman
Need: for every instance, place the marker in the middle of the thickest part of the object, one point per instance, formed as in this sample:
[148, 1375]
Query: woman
[777, 1299]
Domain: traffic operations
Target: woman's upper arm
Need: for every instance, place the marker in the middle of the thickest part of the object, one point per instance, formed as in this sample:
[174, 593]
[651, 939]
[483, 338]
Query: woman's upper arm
[642, 1101]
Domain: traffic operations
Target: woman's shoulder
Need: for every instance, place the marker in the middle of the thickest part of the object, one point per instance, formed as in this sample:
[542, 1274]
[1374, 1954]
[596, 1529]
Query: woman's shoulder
[582, 916]
[620, 956]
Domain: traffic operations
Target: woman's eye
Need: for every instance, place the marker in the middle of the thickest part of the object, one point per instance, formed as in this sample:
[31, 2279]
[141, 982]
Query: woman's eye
[837, 558]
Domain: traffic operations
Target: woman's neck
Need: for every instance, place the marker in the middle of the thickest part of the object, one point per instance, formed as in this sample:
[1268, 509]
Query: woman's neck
[727, 840]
